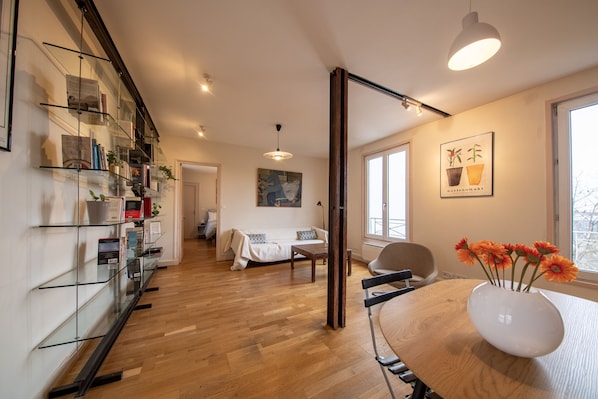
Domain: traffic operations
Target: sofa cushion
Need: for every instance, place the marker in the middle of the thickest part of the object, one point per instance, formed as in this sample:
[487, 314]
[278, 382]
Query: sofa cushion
[257, 238]
[306, 235]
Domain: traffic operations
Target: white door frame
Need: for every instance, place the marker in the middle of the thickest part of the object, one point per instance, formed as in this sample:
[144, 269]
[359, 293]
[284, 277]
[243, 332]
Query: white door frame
[178, 209]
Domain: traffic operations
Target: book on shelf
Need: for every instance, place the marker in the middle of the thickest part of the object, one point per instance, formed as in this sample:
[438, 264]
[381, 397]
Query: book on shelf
[133, 208]
[125, 171]
[140, 174]
[116, 209]
[154, 251]
[109, 251]
[103, 107]
[77, 152]
[153, 231]
[103, 159]
[84, 95]
[134, 241]
[147, 206]
[155, 228]
[99, 160]
[134, 268]
[95, 154]
[129, 130]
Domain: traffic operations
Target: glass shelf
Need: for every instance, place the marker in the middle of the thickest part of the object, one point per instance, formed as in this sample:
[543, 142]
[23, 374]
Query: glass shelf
[87, 274]
[116, 125]
[85, 65]
[85, 323]
[149, 268]
[93, 175]
[150, 262]
[107, 224]
[71, 116]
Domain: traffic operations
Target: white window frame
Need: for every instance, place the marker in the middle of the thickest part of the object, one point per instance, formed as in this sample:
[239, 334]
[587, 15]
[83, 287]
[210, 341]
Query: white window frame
[385, 154]
[562, 175]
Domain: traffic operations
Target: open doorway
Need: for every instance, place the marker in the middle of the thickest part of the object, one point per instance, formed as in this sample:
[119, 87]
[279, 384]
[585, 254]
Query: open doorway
[198, 211]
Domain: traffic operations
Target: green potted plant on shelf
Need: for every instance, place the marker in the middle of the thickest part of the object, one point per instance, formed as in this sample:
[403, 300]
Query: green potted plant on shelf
[114, 163]
[97, 208]
[167, 172]
[156, 209]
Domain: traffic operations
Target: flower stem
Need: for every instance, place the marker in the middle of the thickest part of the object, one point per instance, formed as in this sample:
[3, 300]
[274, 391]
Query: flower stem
[534, 279]
[522, 275]
[484, 269]
[513, 271]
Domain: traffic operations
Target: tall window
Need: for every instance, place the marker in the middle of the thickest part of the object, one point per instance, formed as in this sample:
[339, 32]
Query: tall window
[577, 182]
[386, 196]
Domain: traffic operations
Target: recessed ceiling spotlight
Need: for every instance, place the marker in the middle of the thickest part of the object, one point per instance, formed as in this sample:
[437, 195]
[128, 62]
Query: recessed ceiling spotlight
[206, 85]
[201, 132]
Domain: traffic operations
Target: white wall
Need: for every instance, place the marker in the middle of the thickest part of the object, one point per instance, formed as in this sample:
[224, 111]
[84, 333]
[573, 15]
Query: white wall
[520, 209]
[238, 192]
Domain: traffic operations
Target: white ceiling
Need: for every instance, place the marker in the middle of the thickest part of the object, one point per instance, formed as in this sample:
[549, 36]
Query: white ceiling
[271, 61]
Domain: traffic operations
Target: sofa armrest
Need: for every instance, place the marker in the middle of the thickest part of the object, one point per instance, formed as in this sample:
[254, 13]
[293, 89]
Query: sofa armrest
[321, 233]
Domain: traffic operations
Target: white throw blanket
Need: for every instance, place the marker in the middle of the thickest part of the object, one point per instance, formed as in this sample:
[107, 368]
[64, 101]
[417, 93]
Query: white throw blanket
[276, 248]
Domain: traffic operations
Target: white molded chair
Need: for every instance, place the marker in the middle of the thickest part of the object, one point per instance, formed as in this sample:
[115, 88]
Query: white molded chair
[398, 256]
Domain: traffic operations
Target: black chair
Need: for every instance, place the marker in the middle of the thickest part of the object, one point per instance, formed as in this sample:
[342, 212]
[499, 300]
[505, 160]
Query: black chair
[391, 363]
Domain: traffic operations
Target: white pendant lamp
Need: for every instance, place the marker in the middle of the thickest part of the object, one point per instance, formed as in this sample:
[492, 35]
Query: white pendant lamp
[476, 44]
[278, 155]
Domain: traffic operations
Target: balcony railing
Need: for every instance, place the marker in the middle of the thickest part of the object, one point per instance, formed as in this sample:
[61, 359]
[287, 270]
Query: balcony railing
[396, 228]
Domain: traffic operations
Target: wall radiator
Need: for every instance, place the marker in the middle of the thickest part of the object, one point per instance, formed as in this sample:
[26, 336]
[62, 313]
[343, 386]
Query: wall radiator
[369, 251]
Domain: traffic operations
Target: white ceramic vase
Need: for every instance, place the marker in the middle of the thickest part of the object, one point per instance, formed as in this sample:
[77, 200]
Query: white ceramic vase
[525, 324]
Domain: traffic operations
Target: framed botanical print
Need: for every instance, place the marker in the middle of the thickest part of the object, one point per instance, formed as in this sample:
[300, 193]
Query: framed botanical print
[467, 167]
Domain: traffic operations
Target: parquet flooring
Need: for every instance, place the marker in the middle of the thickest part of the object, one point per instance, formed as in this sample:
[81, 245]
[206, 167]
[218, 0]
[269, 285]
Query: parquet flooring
[256, 333]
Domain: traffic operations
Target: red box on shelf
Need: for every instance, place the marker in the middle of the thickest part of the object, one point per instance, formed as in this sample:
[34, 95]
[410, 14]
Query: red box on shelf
[147, 206]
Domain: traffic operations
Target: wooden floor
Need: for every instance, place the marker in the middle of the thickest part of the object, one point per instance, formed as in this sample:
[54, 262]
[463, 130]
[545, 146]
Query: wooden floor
[256, 333]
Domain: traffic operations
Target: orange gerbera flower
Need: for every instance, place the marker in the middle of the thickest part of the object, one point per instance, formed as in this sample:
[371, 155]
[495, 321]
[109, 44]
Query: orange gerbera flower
[466, 256]
[532, 256]
[494, 257]
[546, 248]
[501, 261]
[461, 244]
[558, 269]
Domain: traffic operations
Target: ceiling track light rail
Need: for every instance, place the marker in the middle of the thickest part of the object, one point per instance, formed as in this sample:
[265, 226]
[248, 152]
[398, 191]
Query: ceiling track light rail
[405, 100]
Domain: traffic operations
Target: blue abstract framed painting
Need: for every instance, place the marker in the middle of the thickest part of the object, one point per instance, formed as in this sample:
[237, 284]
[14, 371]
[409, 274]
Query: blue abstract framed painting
[278, 188]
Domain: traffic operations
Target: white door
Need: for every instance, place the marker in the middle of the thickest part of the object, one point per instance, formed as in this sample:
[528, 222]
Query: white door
[190, 193]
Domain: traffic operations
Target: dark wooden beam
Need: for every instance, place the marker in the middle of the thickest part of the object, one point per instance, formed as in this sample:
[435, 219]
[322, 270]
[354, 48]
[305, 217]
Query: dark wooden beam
[95, 22]
[337, 199]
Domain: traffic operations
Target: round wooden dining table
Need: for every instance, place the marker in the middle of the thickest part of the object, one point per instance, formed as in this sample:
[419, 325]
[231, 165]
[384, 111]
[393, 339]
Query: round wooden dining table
[429, 329]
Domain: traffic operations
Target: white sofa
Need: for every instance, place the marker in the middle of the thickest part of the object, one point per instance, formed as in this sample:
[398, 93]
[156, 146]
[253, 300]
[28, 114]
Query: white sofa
[276, 245]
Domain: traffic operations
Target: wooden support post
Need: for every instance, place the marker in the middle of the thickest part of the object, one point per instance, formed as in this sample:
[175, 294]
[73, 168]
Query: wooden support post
[337, 219]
